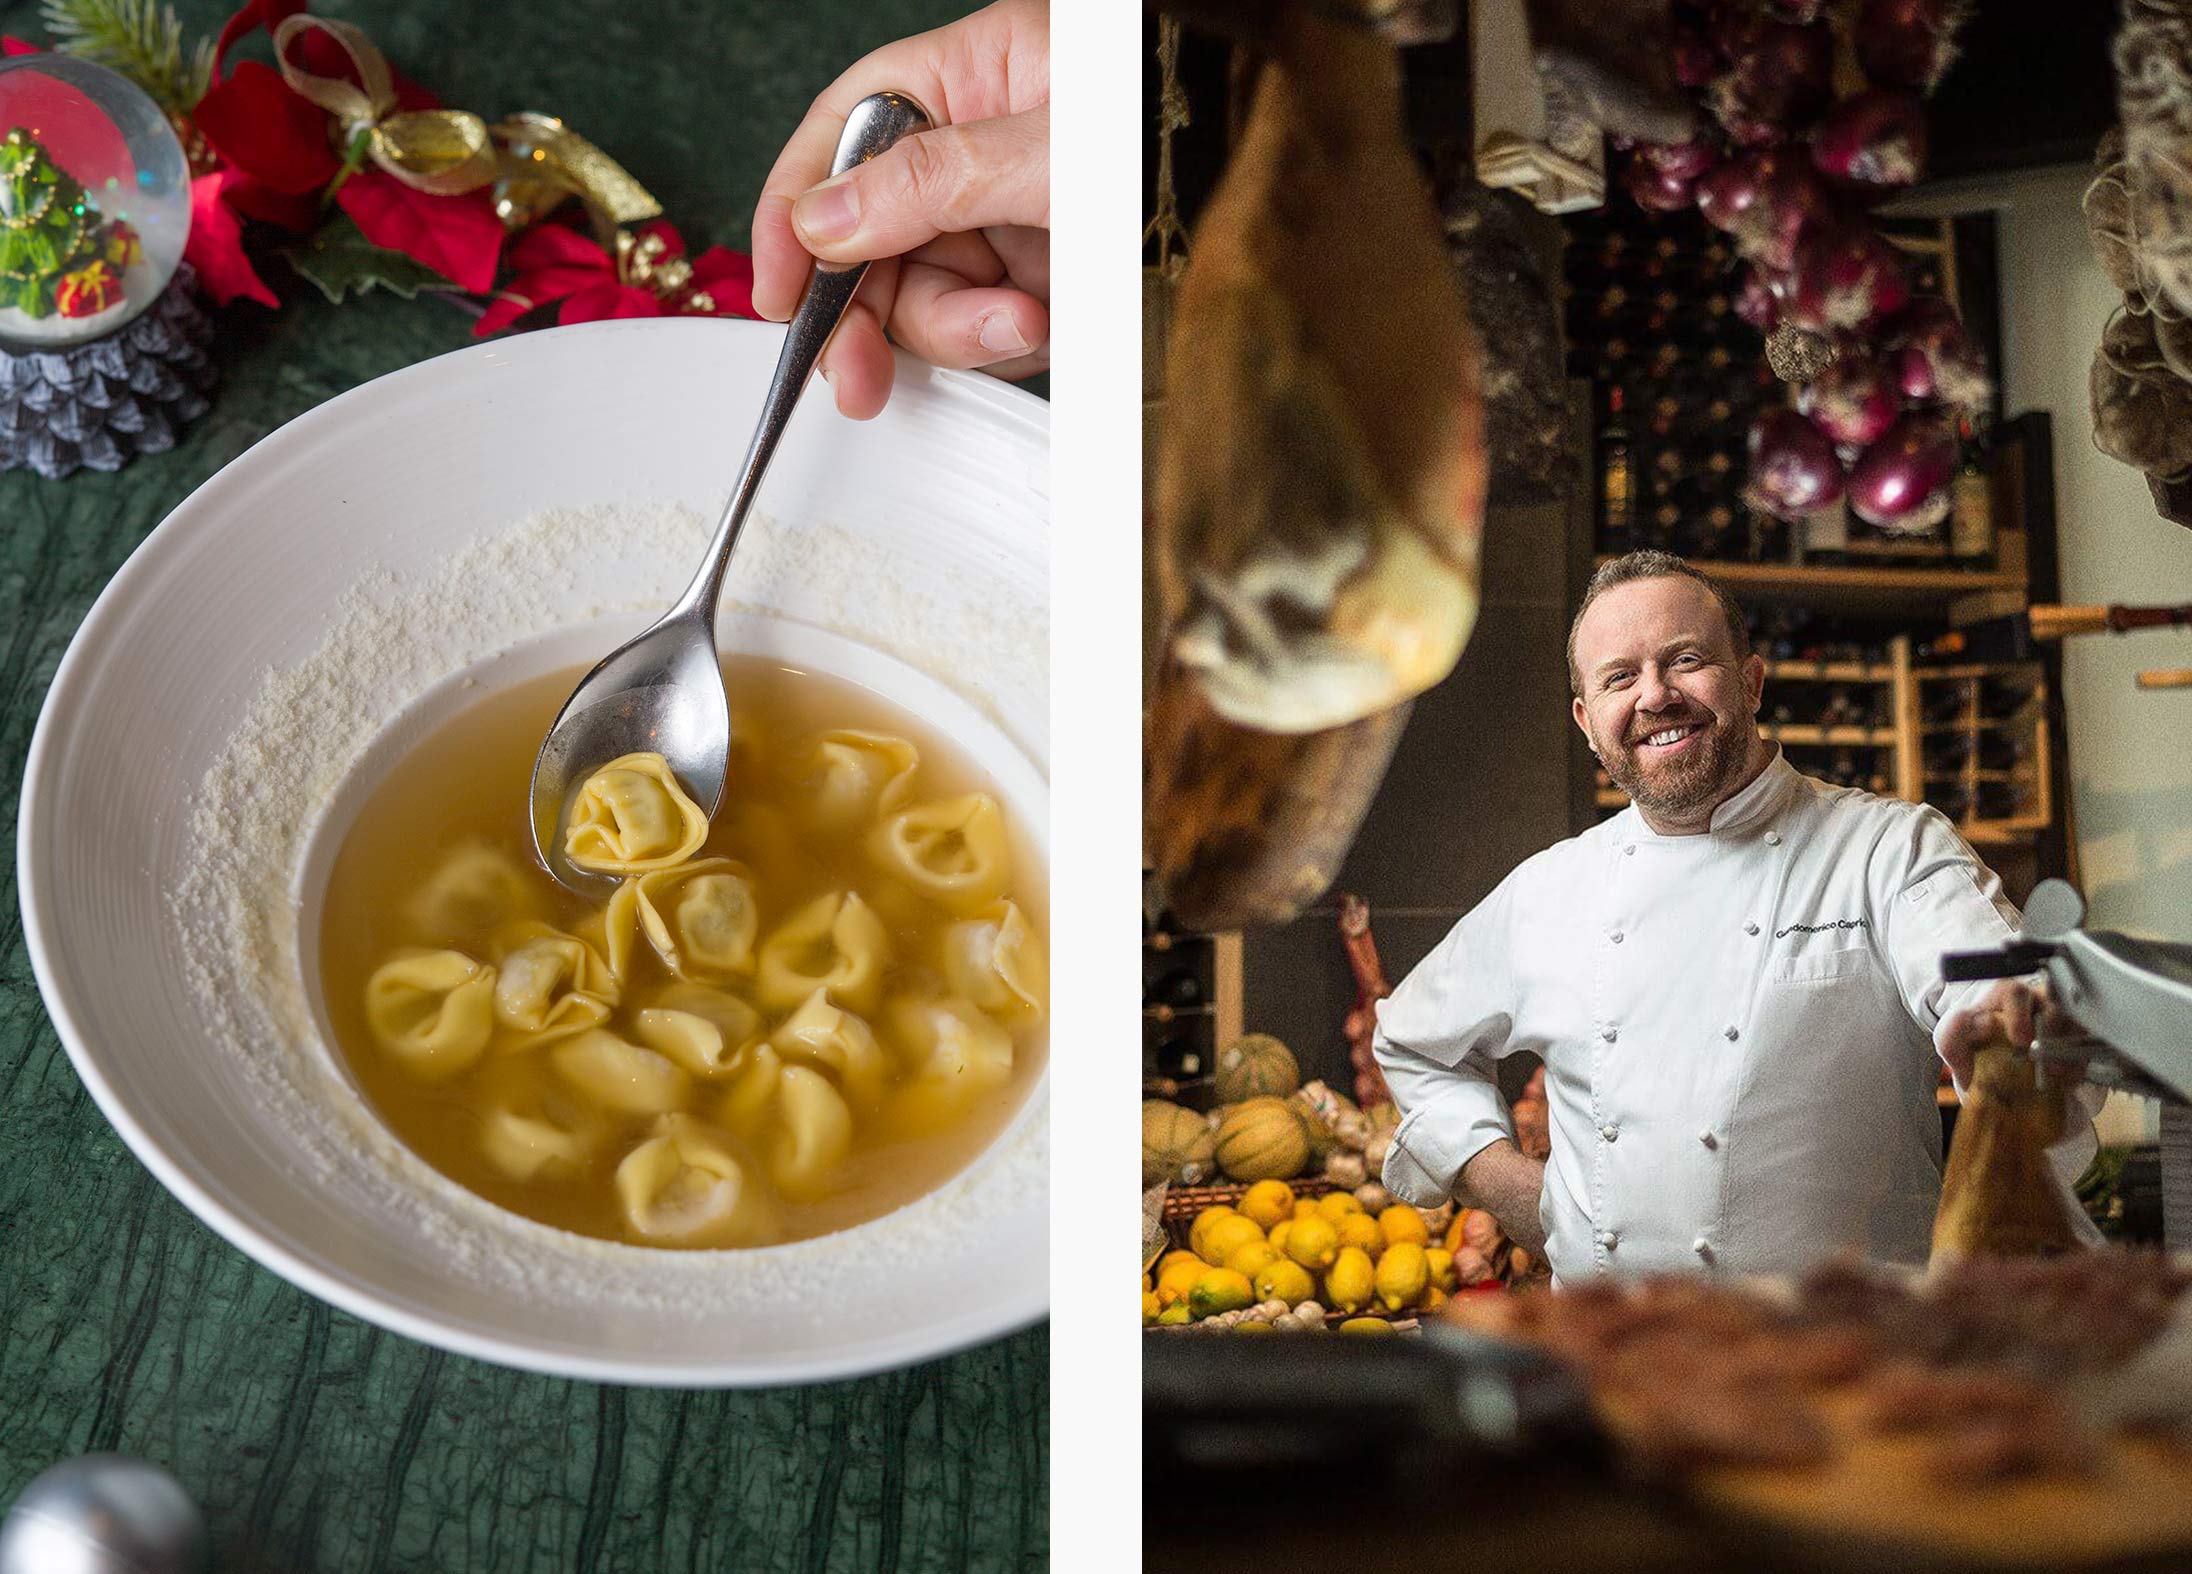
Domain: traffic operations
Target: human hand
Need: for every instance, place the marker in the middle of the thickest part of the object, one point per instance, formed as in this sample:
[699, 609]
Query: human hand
[955, 221]
[2003, 1015]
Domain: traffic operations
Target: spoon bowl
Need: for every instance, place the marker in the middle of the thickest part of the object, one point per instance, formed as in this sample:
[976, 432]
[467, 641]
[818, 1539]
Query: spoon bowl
[662, 691]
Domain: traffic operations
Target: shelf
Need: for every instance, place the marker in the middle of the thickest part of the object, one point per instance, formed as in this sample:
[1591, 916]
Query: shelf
[1978, 669]
[1833, 671]
[1839, 587]
[1174, 1013]
[1804, 735]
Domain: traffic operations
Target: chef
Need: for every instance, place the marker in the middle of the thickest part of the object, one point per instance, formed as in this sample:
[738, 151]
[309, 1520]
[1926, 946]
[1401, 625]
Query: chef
[1734, 984]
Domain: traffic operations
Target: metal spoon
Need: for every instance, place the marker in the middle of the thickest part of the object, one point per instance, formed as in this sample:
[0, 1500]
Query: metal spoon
[663, 690]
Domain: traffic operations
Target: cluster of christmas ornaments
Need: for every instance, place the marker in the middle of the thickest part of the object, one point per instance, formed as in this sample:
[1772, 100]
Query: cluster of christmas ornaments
[1789, 168]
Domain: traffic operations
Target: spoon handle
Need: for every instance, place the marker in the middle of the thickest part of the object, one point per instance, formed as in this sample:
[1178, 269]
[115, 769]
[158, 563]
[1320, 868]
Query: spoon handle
[876, 122]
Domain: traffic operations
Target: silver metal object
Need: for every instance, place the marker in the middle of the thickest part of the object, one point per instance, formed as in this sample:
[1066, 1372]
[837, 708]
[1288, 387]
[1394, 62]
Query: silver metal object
[662, 691]
[103, 1514]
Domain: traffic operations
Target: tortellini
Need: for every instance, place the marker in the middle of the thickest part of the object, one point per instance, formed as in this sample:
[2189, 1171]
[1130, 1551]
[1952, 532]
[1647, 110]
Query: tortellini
[615, 932]
[700, 918]
[815, 1132]
[474, 890]
[702, 1029]
[631, 817]
[550, 985]
[954, 1053]
[617, 1074]
[820, 1034]
[953, 851]
[850, 777]
[996, 961]
[687, 1185]
[531, 1145]
[433, 1010]
[835, 943]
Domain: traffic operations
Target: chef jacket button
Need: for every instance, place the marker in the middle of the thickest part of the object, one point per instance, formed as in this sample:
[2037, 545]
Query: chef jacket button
[1608, 1239]
[1709, 1138]
[1608, 1034]
[1729, 1031]
[1773, 838]
[1615, 937]
[1750, 929]
[1629, 851]
[1702, 1247]
[1609, 1131]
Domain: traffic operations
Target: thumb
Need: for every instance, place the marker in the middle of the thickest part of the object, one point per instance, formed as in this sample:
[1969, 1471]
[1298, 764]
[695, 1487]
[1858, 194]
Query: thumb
[940, 182]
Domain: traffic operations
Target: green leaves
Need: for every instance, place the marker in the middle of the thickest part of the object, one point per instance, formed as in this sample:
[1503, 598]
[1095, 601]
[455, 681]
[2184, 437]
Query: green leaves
[342, 262]
[139, 38]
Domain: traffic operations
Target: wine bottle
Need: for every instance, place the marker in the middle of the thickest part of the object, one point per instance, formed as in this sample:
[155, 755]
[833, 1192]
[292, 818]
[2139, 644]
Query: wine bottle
[1971, 515]
[1616, 478]
[1179, 989]
[1179, 1057]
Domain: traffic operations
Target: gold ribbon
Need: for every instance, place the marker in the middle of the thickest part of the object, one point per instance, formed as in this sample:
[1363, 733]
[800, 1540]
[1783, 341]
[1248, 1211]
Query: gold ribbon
[443, 151]
[545, 161]
[534, 161]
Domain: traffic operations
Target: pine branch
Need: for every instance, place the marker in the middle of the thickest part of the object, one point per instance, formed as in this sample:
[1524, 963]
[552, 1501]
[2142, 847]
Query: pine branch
[141, 39]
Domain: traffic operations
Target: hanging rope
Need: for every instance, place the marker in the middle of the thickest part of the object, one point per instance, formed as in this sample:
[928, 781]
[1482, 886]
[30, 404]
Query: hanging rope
[1165, 228]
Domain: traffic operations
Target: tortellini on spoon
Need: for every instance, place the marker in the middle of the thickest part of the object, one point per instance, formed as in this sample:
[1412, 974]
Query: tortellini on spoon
[632, 817]
[433, 1010]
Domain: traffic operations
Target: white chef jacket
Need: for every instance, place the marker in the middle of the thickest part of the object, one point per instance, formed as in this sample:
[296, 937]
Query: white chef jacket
[1737, 1029]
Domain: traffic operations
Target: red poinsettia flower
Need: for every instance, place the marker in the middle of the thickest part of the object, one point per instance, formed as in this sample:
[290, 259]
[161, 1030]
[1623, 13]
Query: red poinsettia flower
[216, 244]
[652, 278]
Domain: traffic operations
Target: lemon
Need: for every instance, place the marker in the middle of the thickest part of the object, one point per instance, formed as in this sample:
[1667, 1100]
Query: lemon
[1334, 1203]
[1268, 1202]
[1373, 1326]
[1313, 1243]
[1401, 1223]
[1360, 1231]
[1151, 1308]
[1220, 1290]
[1279, 1232]
[1169, 1258]
[1252, 1325]
[1403, 1275]
[1285, 1281]
[1434, 1298]
[1173, 1316]
[1228, 1236]
[1350, 1282]
[1202, 1225]
[1441, 1264]
[1305, 1207]
[1253, 1258]
[1174, 1283]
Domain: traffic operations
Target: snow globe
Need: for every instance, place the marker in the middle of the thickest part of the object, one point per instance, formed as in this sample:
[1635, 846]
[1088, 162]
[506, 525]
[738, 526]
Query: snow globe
[102, 348]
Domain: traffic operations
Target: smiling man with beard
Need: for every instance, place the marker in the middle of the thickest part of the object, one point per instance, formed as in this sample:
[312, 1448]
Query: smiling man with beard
[1735, 983]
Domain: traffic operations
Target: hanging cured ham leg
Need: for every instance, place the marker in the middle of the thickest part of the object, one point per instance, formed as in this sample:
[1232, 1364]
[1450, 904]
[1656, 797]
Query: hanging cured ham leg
[1320, 486]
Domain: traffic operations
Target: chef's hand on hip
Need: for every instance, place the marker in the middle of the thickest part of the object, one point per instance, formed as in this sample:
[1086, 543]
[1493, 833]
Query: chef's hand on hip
[2002, 1016]
[1507, 1182]
[955, 221]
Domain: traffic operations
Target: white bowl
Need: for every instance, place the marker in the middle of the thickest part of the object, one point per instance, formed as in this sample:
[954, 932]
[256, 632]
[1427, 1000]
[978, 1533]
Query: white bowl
[258, 635]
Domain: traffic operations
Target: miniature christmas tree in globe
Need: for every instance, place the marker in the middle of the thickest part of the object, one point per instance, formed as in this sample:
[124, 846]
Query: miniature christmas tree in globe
[57, 255]
[103, 353]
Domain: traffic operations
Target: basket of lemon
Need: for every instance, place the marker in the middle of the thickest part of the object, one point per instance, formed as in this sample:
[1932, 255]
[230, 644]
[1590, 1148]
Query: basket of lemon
[1278, 1261]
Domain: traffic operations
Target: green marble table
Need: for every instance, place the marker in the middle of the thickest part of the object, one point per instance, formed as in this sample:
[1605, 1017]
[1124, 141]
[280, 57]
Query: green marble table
[316, 1442]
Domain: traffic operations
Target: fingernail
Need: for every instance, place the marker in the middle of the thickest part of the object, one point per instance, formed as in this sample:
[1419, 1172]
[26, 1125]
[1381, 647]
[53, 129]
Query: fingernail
[830, 212]
[1000, 334]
